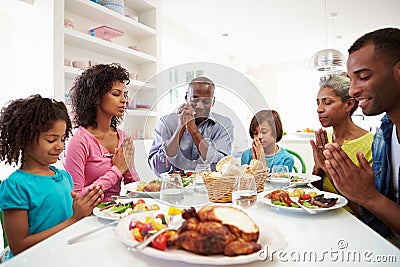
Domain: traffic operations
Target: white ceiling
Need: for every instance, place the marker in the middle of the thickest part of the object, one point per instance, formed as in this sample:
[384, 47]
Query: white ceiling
[275, 31]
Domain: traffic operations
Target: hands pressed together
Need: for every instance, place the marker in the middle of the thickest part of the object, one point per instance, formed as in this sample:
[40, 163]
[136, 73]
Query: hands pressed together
[123, 157]
[186, 114]
[321, 139]
[83, 205]
[356, 183]
[257, 149]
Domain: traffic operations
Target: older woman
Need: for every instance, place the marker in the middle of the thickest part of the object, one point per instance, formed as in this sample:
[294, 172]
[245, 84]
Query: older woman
[335, 108]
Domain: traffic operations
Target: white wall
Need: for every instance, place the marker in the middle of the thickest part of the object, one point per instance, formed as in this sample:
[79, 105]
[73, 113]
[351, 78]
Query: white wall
[26, 52]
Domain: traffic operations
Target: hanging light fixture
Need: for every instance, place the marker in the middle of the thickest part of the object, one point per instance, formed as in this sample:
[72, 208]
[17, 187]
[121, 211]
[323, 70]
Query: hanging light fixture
[327, 59]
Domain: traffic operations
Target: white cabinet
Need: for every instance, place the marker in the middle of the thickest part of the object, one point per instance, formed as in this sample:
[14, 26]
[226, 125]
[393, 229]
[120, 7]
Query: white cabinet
[78, 45]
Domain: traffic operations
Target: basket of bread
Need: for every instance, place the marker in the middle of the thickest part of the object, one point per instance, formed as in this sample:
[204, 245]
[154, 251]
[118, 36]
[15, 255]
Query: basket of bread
[220, 183]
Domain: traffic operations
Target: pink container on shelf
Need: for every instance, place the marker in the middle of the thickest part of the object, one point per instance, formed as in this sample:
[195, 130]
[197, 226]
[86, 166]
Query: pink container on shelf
[105, 33]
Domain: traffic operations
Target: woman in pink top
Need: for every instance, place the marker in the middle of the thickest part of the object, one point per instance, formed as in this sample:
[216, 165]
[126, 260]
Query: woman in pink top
[99, 152]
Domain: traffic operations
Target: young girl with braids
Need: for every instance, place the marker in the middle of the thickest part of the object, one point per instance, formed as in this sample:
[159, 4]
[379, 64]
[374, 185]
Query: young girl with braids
[37, 198]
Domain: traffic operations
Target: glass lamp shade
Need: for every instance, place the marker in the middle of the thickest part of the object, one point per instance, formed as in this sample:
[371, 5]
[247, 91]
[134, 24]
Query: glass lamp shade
[327, 60]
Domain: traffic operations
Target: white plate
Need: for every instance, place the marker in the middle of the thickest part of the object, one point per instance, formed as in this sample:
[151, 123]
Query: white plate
[342, 201]
[132, 187]
[115, 216]
[308, 178]
[305, 135]
[269, 236]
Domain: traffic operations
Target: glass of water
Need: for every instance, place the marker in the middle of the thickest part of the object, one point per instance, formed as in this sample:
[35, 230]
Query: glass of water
[244, 193]
[171, 188]
[280, 177]
[199, 186]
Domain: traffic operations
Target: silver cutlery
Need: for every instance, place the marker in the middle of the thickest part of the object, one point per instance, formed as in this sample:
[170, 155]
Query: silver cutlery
[174, 224]
[310, 185]
[83, 235]
[309, 211]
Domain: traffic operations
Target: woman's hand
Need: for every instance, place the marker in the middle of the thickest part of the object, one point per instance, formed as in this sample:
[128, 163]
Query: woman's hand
[123, 157]
[321, 139]
[83, 206]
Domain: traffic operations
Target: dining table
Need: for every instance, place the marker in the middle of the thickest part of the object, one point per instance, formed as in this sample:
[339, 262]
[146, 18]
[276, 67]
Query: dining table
[323, 239]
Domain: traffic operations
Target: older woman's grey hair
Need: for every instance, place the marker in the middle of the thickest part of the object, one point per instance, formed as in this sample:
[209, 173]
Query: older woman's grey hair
[339, 83]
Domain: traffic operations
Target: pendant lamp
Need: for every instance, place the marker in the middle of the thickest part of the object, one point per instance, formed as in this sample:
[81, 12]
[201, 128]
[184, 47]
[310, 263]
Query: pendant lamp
[327, 59]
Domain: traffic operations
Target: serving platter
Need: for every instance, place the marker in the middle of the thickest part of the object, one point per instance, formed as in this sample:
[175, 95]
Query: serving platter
[269, 236]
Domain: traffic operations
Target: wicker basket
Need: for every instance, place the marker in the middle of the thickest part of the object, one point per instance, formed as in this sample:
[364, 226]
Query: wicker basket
[220, 188]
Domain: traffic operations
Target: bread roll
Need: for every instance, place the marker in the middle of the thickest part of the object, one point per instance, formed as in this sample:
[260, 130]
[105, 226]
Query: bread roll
[223, 164]
[255, 165]
[229, 166]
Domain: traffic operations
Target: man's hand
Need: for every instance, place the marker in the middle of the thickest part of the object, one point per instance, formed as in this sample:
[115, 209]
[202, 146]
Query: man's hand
[186, 114]
[356, 183]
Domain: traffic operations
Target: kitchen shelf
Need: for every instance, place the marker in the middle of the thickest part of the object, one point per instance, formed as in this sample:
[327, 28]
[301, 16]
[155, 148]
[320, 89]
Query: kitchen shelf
[76, 44]
[141, 85]
[141, 112]
[71, 72]
[95, 44]
[115, 20]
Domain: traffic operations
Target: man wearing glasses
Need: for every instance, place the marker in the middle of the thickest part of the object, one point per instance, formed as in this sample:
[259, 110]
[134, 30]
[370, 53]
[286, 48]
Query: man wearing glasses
[193, 135]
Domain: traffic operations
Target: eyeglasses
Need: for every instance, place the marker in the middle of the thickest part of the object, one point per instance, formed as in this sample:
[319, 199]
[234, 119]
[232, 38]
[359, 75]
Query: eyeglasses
[204, 100]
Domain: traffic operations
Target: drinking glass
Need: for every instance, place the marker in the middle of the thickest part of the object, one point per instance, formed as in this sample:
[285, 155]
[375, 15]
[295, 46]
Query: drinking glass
[171, 188]
[280, 177]
[199, 186]
[244, 193]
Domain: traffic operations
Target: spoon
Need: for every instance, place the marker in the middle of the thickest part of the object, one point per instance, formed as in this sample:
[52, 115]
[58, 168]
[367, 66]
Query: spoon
[174, 224]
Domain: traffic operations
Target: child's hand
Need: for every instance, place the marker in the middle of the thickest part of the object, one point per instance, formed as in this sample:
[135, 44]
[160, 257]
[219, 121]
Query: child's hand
[83, 205]
[257, 149]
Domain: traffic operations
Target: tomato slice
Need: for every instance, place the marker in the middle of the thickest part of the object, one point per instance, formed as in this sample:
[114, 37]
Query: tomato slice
[160, 242]
[306, 197]
[140, 201]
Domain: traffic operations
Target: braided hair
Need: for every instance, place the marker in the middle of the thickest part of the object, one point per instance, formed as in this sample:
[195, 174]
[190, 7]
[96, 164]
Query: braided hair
[22, 121]
[90, 87]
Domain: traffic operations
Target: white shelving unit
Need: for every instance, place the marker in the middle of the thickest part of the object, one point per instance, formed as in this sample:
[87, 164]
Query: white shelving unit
[78, 45]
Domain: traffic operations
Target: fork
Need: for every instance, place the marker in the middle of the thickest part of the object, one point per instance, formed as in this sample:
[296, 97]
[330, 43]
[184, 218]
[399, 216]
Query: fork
[309, 211]
[174, 224]
[83, 235]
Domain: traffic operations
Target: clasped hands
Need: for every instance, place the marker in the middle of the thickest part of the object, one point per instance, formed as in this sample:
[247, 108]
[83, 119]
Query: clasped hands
[187, 115]
[355, 182]
[123, 157]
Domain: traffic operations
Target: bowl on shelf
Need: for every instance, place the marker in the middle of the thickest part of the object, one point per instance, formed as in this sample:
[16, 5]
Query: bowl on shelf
[78, 64]
[67, 62]
[133, 76]
[132, 17]
[134, 47]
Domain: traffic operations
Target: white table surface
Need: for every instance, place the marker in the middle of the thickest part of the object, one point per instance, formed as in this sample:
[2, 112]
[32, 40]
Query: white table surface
[318, 233]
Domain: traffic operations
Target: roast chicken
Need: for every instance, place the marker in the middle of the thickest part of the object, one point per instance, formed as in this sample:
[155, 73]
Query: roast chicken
[217, 230]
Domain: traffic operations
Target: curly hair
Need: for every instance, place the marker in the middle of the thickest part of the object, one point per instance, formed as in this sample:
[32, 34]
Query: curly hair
[273, 119]
[22, 121]
[90, 87]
